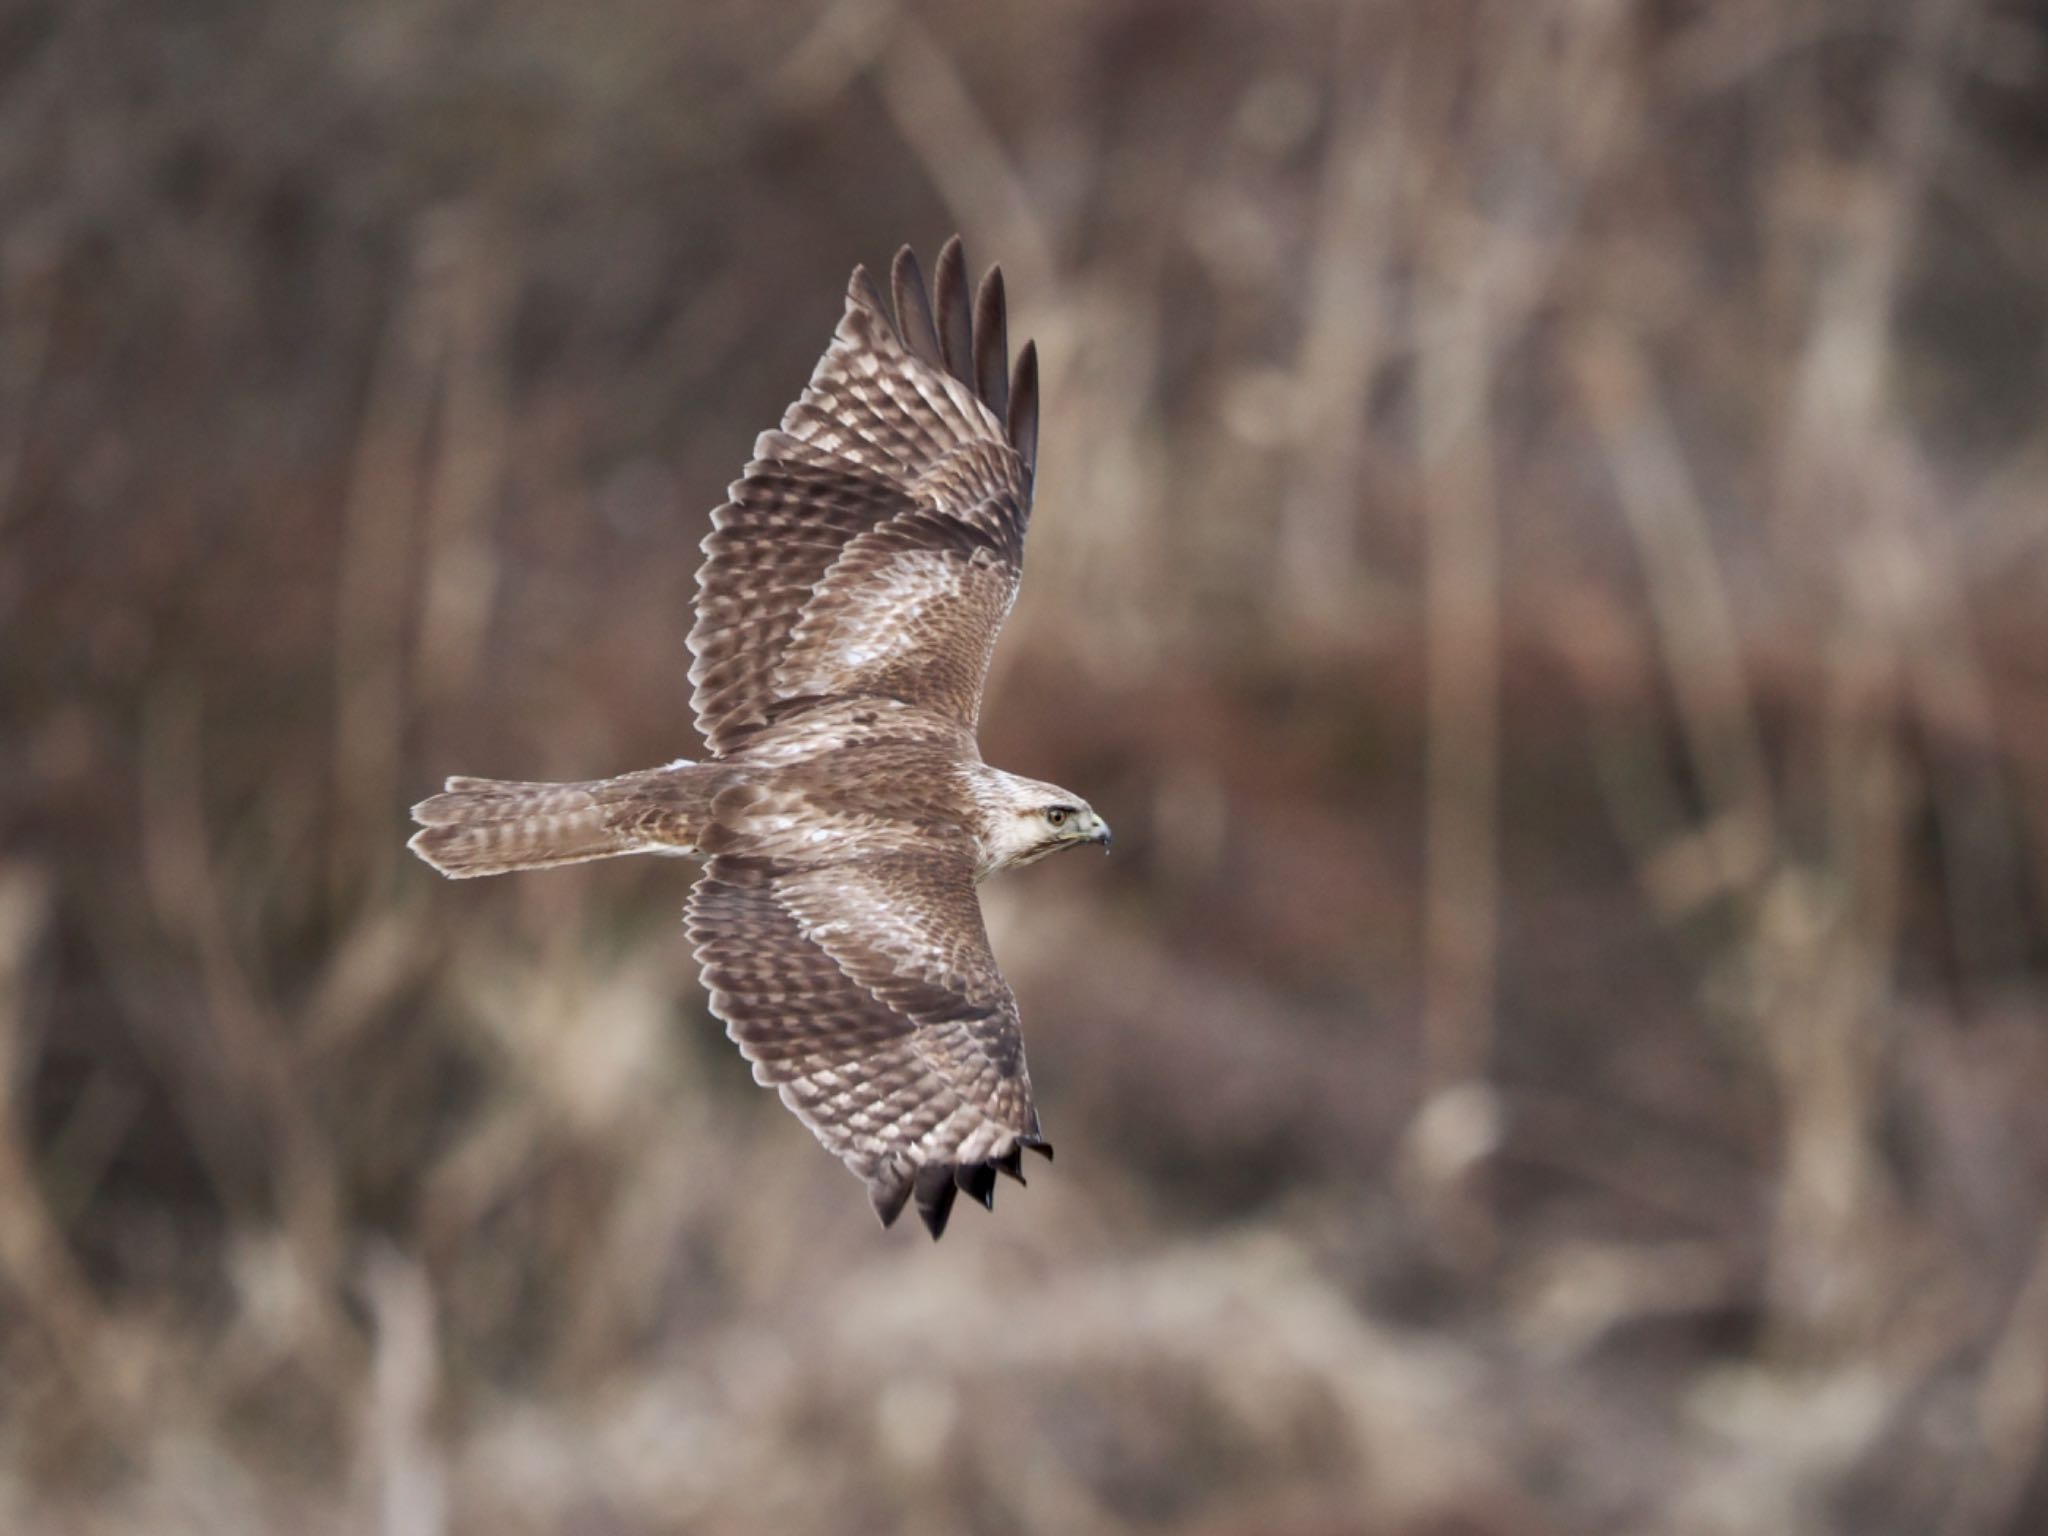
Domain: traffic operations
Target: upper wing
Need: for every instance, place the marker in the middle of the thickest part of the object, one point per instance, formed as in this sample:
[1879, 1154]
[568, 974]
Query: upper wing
[867, 993]
[875, 542]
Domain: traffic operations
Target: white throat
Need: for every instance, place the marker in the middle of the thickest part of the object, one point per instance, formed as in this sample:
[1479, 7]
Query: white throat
[1013, 829]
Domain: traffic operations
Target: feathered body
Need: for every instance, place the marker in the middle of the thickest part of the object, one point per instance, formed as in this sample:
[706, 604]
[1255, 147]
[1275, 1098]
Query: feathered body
[855, 583]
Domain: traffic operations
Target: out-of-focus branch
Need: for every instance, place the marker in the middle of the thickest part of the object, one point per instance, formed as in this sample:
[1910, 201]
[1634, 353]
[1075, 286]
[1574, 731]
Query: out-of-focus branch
[946, 129]
[249, 1039]
[1696, 624]
[384, 495]
[471, 294]
[27, 276]
[1342, 336]
[401, 1465]
[1461, 808]
[2011, 1428]
[35, 1262]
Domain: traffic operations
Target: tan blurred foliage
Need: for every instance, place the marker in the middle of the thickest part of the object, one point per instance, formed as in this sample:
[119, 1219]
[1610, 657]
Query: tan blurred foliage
[1542, 553]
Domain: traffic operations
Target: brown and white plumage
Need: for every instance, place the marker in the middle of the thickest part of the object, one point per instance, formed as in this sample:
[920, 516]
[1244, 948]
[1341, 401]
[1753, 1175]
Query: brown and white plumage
[875, 543]
[854, 584]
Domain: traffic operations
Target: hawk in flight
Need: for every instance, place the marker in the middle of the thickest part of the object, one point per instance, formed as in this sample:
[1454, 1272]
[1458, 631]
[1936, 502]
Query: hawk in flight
[853, 587]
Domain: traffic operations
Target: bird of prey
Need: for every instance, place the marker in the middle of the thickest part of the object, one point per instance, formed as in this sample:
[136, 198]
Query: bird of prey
[847, 607]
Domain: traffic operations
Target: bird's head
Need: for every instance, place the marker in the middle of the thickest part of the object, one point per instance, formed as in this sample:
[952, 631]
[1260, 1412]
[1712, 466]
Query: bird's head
[1023, 820]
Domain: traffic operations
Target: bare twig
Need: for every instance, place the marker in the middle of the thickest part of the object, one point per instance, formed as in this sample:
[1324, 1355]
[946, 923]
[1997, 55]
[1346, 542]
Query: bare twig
[384, 494]
[2011, 1426]
[401, 1461]
[935, 111]
[1461, 827]
[470, 294]
[1341, 339]
[35, 1262]
[178, 861]
[1696, 622]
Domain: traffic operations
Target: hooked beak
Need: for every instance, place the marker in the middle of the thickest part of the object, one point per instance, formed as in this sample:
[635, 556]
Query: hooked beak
[1101, 835]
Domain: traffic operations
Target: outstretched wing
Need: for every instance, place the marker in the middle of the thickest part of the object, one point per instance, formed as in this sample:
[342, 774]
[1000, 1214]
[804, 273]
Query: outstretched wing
[867, 994]
[875, 542]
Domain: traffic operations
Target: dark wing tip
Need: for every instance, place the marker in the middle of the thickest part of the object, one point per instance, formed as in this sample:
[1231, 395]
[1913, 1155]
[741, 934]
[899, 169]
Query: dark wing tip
[968, 339]
[935, 1191]
[937, 1184]
[977, 1181]
[861, 286]
[1022, 422]
[914, 308]
[955, 314]
[992, 345]
[889, 1200]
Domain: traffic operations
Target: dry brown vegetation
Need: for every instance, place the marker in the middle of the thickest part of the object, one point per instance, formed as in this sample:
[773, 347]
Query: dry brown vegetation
[1542, 553]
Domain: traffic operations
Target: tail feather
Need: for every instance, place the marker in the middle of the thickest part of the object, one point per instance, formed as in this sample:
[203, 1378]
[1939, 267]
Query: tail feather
[492, 826]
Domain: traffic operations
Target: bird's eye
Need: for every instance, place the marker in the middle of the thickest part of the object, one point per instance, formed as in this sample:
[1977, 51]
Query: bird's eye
[1056, 814]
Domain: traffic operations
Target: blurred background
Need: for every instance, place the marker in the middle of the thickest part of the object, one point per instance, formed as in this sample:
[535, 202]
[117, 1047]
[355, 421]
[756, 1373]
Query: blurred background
[1541, 552]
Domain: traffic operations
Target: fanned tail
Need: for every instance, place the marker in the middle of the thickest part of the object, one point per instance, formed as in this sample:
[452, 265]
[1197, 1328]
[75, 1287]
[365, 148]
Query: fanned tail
[493, 826]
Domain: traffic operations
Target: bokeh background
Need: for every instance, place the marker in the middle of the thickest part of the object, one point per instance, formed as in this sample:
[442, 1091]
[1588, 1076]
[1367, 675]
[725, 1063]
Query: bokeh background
[1542, 553]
